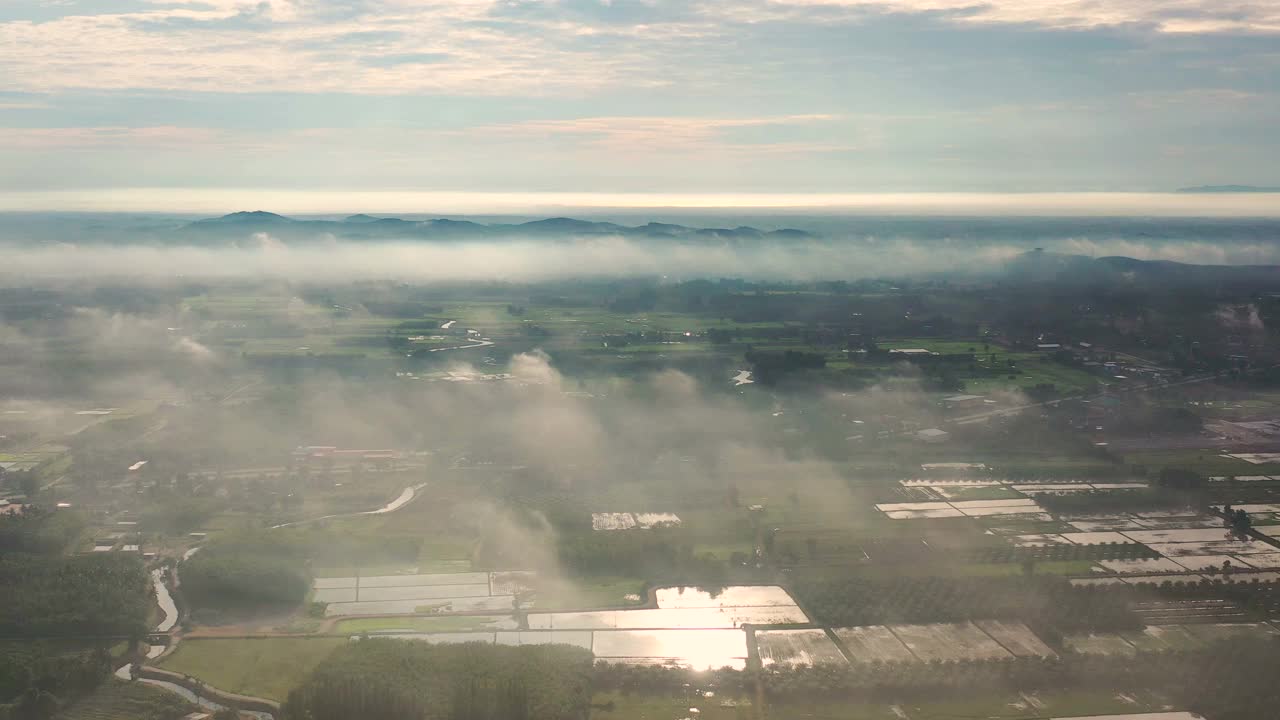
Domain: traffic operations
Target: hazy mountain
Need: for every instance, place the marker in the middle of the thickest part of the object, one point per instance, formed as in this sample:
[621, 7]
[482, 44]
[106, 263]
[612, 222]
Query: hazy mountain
[1230, 189]
[369, 227]
[1040, 266]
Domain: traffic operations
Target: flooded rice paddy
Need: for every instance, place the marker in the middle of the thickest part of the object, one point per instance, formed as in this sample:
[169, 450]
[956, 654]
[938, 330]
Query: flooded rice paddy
[697, 649]
[686, 608]
[964, 508]
[1156, 638]
[688, 628]
[404, 594]
[796, 647]
[982, 640]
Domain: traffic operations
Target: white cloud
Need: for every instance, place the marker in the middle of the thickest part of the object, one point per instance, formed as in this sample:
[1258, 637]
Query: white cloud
[1174, 16]
[485, 47]
[129, 137]
[654, 134]
[284, 45]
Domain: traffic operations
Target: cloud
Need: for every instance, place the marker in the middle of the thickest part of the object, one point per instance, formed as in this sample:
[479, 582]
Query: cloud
[492, 47]
[649, 134]
[1172, 16]
[518, 261]
[251, 46]
[132, 137]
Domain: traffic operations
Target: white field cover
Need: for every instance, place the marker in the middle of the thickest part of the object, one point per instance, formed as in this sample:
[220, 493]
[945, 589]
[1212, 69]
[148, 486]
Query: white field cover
[797, 647]
[405, 594]
[604, 521]
[959, 508]
[986, 639]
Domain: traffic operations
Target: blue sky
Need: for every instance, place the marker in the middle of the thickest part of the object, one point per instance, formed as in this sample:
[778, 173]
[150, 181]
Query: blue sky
[639, 96]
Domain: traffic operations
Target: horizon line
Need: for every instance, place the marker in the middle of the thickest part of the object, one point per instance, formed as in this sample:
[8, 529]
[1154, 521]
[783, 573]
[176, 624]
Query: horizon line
[1170, 203]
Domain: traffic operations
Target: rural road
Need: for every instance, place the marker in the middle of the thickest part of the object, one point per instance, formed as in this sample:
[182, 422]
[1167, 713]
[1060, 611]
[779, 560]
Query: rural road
[406, 496]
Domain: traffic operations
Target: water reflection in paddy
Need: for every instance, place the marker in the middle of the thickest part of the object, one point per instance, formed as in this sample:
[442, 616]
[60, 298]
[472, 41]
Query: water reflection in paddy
[674, 618]
[690, 627]
[732, 596]
[687, 608]
[698, 649]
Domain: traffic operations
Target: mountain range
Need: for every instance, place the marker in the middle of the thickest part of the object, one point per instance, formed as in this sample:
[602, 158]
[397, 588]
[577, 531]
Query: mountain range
[369, 227]
[1229, 189]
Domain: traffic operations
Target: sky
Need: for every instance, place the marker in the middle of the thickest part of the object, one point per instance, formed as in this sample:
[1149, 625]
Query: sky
[657, 98]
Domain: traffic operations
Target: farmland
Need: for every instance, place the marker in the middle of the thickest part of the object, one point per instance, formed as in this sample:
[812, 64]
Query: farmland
[119, 700]
[262, 667]
[486, 472]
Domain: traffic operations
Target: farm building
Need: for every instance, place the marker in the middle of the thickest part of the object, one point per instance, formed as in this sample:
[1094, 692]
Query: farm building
[933, 435]
[313, 452]
[963, 401]
[953, 467]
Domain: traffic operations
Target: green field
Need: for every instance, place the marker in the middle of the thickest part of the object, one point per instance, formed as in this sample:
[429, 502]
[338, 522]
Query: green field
[1205, 462]
[594, 592]
[1036, 706]
[463, 623]
[266, 667]
[122, 700]
[634, 706]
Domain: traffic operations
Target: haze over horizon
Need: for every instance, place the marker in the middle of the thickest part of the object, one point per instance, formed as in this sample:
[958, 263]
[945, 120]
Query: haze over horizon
[219, 201]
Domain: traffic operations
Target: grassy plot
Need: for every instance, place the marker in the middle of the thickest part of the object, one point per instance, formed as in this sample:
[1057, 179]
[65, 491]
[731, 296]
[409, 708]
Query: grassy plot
[1205, 462]
[416, 624]
[593, 592]
[121, 700]
[619, 706]
[266, 667]
[960, 569]
[1024, 706]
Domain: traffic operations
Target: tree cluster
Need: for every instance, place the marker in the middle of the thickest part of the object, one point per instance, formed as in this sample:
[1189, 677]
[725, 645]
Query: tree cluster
[105, 594]
[1043, 602]
[244, 574]
[385, 679]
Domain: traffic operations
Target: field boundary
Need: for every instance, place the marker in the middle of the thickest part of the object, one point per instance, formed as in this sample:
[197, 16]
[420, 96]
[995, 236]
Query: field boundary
[201, 689]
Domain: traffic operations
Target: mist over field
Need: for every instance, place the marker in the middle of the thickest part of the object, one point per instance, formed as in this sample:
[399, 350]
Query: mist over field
[262, 256]
[639, 359]
[615, 462]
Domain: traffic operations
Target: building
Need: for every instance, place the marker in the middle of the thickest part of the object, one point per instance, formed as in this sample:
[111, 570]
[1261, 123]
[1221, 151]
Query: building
[954, 467]
[963, 401]
[933, 435]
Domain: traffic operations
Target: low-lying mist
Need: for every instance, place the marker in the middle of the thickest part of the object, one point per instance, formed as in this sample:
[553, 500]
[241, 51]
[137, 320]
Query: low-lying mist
[263, 256]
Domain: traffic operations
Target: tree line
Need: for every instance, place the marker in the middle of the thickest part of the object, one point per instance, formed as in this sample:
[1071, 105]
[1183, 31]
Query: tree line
[1049, 603]
[387, 679]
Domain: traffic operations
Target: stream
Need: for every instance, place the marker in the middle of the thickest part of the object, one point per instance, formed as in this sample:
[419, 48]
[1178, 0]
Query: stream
[165, 600]
[203, 702]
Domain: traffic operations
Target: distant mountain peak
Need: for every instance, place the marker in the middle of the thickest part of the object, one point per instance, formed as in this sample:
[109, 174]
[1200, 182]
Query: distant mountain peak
[1230, 189]
[367, 227]
[248, 216]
